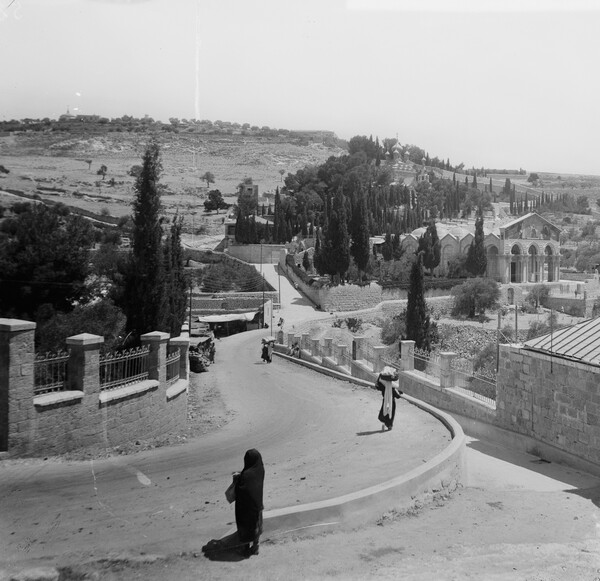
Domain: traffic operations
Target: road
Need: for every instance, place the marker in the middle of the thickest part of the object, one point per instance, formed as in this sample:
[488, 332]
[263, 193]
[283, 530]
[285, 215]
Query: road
[514, 518]
[306, 426]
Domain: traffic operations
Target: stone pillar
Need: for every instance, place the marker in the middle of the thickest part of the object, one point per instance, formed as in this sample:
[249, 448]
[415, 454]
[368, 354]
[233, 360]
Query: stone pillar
[83, 374]
[446, 376]
[157, 358]
[305, 341]
[378, 364]
[291, 340]
[280, 337]
[327, 341]
[315, 347]
[407, 359]
[17, 356]
[357, 343]
[341, 354]
[184, 346]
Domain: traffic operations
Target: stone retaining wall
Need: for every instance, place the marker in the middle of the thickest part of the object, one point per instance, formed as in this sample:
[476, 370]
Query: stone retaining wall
[551, 401]
[82, 414]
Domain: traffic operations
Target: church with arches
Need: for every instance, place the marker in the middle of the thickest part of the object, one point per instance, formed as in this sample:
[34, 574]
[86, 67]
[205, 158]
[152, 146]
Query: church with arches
[522, 250]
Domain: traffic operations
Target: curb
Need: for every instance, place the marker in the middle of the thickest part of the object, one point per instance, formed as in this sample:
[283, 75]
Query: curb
[443, 471]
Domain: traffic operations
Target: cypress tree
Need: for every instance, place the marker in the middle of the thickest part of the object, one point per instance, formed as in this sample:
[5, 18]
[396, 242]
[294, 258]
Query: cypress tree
[476, 262]
[145, 300]
[430, 246]
[359, 247]
[418, 325]
[176, 281]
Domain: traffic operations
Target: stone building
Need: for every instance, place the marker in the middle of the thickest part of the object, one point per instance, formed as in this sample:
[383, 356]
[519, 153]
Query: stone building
[526, 249]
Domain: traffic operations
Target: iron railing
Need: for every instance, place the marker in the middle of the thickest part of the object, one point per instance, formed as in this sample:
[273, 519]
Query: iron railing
[173, 358]
[480, 384]
[50, 372]
[121, 368]
[427, 362]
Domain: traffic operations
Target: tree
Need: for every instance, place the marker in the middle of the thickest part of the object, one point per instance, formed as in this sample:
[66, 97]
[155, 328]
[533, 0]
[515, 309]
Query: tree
[430, 245]
[537, 295]
[476, 262]
[144, 297]
[533, 178]
[176, 282]
[282, 172]
[102, 171]
[215, 201]
[474, 296]
[359, 247]
[44, 260]
[418, 325]
[209, 178]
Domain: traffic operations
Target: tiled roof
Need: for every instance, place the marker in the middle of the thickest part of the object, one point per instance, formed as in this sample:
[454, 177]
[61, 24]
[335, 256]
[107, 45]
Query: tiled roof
[580, 342]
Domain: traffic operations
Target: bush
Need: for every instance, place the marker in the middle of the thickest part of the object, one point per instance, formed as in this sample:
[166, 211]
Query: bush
[393, 329]
[354, 324]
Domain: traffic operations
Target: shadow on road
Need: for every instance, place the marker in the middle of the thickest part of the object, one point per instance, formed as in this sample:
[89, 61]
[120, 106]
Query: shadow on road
[592, 494]
[371, 432]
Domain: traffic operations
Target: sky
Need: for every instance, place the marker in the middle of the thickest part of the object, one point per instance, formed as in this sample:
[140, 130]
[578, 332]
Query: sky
[490, 83]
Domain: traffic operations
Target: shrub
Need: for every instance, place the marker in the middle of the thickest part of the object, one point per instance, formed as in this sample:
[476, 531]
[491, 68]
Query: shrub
[393, 329]
[354, 324]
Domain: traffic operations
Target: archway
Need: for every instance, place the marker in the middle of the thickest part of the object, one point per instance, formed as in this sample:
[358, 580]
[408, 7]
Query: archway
[532, 265]
[515, 264]
[492, 263]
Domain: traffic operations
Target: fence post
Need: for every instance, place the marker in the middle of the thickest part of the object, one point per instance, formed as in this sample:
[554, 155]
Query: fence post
[378, 351]
[157, 357]
[407, 358]
[341, 354]
[314, 349]
[17, 381]
[83, 372]
[357, 343]
[446, 379]
[304, 341]
[327, 341]
[184, 346]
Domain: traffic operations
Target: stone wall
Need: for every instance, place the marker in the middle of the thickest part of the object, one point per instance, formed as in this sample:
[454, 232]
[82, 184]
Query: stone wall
[231, 301]
[256, 253]
[81, 413]
[550, 403]
[555, 400]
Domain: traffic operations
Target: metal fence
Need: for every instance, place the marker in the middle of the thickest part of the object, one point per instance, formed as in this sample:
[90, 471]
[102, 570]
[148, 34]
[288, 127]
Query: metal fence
[173, 357]
[427, 362]
[50, 372]
[479, 384]
[121, 368]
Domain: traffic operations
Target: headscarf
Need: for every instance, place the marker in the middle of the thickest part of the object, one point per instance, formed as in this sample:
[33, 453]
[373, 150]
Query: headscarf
[250, 482]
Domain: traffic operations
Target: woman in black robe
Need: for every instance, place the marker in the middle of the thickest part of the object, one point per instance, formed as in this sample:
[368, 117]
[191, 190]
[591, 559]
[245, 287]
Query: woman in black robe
[387, 384]
[249, 501]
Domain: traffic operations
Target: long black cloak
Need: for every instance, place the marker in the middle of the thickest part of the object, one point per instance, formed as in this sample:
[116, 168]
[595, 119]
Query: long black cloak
[249, 497]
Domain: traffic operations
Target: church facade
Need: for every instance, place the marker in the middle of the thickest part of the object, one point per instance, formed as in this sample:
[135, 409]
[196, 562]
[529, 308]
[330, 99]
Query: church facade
[526, 249]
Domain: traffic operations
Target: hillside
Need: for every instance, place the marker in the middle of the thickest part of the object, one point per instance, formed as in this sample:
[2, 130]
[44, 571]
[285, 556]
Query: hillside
[55, 164]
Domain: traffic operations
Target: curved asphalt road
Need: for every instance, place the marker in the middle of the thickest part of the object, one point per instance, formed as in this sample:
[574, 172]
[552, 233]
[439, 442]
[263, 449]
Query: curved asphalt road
[309, 428]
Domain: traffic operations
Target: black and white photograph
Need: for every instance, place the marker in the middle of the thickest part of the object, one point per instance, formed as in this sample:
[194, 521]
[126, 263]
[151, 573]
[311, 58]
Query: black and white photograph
[299, 290]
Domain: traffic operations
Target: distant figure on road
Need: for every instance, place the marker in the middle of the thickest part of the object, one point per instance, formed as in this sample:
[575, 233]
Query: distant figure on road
[387, 384]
